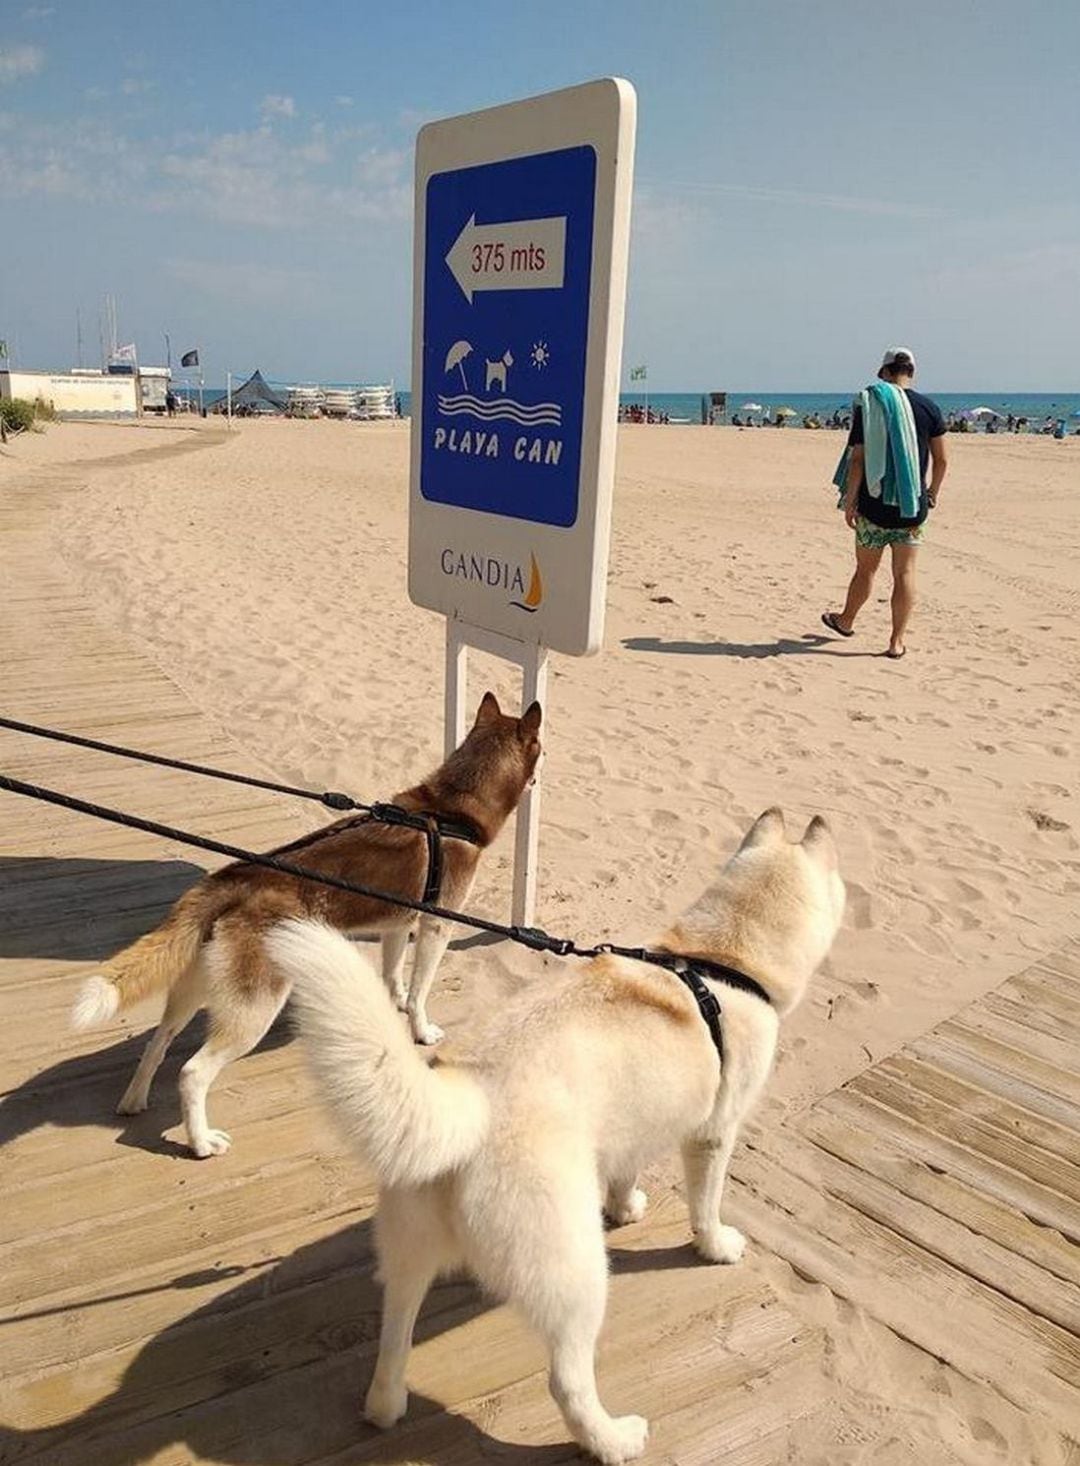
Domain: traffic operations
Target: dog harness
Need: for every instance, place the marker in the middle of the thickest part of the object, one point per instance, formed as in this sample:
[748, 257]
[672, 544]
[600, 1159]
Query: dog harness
[691, 972]
[434, 827]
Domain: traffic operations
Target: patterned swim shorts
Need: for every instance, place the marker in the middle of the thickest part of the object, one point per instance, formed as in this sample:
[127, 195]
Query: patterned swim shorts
[874, 537]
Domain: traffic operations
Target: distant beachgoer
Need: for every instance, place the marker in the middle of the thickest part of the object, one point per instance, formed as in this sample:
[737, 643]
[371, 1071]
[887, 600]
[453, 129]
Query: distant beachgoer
[904, 432]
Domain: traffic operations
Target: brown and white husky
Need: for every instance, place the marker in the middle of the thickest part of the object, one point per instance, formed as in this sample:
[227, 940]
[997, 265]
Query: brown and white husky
[209, 951]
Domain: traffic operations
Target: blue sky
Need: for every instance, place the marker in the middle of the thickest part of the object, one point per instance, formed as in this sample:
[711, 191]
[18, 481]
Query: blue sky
[814, 181]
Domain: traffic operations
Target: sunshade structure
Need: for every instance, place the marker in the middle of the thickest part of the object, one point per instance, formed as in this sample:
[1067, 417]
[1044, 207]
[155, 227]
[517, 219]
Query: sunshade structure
[253, 391]
[751, 407]
[981, 412]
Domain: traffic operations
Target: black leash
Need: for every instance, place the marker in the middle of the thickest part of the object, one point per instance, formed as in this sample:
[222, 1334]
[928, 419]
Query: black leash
[432, 826]
[690, 970]
[330, 798]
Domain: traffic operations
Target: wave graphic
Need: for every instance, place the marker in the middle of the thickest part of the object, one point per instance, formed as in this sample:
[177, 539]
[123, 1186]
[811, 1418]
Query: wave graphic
[526, 413]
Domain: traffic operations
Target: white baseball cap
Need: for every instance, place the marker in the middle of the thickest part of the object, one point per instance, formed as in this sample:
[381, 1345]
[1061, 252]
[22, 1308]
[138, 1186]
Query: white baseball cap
[898, 356]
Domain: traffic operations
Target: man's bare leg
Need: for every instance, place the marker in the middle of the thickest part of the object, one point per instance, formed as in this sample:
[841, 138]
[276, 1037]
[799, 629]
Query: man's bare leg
[903, 594]
[862, 582]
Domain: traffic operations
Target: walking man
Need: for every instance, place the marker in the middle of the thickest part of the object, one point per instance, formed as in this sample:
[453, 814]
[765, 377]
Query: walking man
[896, 433]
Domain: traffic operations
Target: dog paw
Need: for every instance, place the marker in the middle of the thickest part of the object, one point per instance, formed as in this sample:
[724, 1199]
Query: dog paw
[626, 1209]
[721, 1244]
[428, 1033]
[621, 1439]
[133, 1104]
[213, 1142]
[383, 1407]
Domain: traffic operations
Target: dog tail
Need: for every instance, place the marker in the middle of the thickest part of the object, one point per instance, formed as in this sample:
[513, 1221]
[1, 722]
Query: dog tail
[148, 965]
[410, 1122]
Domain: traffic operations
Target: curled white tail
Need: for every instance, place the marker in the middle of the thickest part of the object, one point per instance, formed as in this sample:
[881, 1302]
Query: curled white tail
[410, 1122]
[96, 1002]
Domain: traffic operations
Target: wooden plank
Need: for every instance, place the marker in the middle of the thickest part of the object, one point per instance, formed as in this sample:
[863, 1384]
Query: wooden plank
[979, 1063]
[906, 1136]
[991, 1110]
[987, 1336]
[925, 1181]
[1043, 1167]
[1000, 1267]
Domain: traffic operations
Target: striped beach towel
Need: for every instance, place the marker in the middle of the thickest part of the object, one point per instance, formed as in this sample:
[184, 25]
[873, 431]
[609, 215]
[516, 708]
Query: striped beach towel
[891, 449]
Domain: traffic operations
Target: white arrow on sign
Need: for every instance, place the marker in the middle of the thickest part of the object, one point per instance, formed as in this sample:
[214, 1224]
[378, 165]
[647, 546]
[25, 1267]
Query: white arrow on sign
[524, 254]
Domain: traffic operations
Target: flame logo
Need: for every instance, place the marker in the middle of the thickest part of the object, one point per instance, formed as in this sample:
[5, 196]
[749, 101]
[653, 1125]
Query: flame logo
[535, 594]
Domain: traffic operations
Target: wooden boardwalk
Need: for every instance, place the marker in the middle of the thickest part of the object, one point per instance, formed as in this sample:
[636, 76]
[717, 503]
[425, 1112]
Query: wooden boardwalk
[158, 1310]
[940, 1190]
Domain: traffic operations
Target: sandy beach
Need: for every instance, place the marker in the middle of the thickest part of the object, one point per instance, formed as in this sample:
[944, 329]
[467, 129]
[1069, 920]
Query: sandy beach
[263, 572]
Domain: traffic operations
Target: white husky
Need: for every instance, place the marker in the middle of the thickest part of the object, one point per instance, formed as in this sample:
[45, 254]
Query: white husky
[504, 1165]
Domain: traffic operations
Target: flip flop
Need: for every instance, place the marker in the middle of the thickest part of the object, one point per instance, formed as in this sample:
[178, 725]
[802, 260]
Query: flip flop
[829, 617]
[895, 656]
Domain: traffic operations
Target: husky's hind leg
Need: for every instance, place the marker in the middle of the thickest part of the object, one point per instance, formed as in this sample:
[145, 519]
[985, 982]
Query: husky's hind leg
[244, 996]
[414, 1245]
[557, 1275]
[184, 1001]
[432, 938]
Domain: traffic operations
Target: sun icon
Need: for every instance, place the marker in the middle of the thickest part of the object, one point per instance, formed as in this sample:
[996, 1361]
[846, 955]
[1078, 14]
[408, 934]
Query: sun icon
[540, 355]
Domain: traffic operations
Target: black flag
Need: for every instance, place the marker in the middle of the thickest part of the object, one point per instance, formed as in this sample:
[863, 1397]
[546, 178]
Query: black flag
[189, 358]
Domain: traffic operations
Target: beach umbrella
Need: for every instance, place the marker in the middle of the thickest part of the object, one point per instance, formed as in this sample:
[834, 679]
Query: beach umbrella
[786, 412]
[751, 407]
[983, 412]
[455, 356]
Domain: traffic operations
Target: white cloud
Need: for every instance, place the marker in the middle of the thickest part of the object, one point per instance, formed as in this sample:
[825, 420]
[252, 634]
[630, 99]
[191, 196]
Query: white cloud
[344, 101]
[133, 86]
[39, 12]
[17, 61]
[317, 180]
[275, 105]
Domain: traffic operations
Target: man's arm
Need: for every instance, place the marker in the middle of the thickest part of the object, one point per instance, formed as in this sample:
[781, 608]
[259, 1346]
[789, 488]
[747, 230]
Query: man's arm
[940, 462]
[856, 455]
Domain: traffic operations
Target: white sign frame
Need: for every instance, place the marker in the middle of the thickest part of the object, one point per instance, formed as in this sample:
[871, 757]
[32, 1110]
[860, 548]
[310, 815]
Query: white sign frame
[572, 560]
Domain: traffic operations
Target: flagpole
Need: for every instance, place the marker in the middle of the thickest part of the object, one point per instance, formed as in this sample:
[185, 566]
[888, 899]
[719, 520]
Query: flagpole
[228, 393]
[201, 408]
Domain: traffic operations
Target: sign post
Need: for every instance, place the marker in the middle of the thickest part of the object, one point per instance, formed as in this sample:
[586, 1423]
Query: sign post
[519, 283]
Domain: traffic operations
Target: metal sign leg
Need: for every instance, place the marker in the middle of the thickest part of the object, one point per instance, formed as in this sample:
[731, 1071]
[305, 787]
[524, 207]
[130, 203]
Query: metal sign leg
[457, 687]
[533, 661]
[527, 829]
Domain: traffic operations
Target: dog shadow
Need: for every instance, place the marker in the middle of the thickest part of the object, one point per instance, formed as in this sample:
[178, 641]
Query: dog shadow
[83, 1090]
[272, 1373]
[84, 910]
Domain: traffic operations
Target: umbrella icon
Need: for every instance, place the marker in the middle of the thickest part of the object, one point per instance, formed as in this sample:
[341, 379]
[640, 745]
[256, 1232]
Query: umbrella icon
[455, 356]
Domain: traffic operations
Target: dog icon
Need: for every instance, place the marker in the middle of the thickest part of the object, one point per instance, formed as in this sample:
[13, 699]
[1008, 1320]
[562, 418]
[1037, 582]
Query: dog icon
[496, 371]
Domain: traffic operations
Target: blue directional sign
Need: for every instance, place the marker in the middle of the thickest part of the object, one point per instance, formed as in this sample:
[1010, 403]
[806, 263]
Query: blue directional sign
[507, 266]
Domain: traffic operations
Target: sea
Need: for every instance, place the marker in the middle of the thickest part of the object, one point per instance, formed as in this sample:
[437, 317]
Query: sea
[692, 406]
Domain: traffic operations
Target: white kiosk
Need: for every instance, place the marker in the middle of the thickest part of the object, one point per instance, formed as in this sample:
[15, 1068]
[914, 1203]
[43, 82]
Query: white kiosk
[519, 284]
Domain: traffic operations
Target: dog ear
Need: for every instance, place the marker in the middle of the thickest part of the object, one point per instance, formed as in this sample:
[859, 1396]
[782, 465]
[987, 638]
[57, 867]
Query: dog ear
[818, 842]
[529, 722]
[488, 710]
[766, 829]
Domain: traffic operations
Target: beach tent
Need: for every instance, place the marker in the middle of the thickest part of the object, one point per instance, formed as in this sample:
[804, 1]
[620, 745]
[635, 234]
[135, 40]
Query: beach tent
[984, 412]
[254, 393]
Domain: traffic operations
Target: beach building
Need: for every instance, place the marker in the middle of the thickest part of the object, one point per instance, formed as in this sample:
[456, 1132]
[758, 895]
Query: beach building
[154, 388]
[77, 394]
